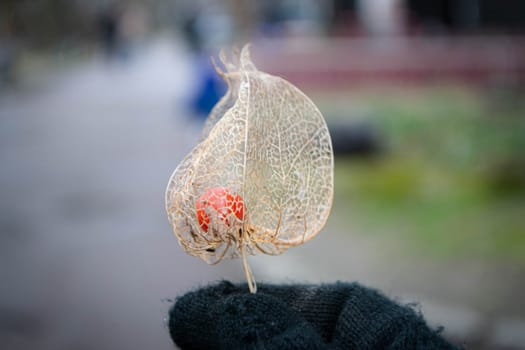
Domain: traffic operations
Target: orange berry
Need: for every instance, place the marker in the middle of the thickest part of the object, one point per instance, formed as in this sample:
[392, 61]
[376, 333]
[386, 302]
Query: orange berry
[220, 203]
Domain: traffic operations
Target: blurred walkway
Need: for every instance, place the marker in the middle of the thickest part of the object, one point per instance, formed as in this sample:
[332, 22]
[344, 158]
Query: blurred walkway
[86, 251]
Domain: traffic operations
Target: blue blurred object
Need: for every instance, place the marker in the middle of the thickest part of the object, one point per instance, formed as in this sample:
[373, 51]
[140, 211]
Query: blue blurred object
[210, 88]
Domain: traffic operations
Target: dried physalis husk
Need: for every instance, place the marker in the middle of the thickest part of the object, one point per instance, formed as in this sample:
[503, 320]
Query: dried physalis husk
[261, 178]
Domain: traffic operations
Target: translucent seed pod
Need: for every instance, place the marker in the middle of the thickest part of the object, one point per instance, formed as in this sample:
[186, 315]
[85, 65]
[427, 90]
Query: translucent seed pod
[261, 178]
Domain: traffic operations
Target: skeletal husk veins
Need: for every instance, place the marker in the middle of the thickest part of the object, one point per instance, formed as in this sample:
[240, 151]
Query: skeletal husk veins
[266, 144]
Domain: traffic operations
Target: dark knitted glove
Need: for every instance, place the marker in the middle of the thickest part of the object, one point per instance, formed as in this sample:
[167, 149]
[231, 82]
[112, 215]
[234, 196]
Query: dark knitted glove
[331, 316]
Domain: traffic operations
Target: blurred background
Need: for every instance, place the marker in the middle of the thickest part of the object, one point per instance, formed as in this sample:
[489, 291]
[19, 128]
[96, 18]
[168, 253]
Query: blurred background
[100, 100]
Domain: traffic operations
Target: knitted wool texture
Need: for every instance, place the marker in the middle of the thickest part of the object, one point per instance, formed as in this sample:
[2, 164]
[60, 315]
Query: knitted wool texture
[330, 316]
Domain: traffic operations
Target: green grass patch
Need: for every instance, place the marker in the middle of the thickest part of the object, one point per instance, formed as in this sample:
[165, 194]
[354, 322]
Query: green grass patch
[452, 179]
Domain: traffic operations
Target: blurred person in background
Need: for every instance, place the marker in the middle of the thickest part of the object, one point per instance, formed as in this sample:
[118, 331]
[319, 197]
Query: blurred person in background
[110, 30]
[207, 26]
